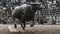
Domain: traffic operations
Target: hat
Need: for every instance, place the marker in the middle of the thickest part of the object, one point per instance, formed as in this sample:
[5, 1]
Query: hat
[34, 3]
[33, 0]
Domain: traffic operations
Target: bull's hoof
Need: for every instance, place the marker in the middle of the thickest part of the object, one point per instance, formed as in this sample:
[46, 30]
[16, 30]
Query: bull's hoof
[31, 25]
[54, 23]
[42, 23]
[15, 26]
[23, 28]
[19, 31]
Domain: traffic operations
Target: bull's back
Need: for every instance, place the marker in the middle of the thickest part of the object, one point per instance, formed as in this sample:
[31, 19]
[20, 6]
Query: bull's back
[19, 11]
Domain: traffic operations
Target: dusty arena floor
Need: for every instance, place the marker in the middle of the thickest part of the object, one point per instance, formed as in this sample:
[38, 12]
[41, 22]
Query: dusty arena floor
[37, 29]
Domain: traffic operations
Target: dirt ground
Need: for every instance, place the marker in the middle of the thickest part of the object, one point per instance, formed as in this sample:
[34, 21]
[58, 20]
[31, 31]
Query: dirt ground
[37, 29]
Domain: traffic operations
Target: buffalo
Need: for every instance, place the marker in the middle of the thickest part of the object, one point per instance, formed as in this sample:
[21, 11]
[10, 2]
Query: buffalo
[25, 13]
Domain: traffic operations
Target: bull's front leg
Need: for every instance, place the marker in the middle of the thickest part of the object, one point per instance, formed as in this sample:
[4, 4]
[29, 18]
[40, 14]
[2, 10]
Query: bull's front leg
[15, 25]
[23, 24]
[32, 23]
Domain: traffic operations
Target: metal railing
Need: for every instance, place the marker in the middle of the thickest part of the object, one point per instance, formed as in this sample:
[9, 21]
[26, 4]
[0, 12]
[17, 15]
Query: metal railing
[48, 14]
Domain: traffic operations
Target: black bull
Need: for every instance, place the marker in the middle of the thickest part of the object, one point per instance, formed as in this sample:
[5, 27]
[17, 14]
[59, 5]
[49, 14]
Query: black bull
[25, 13]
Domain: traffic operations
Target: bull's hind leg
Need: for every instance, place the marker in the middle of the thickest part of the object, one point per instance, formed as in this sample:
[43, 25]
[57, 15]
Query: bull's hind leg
[23, 25]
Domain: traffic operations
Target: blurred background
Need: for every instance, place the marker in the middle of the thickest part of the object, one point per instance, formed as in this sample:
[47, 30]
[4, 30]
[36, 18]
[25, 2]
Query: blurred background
[50, 13]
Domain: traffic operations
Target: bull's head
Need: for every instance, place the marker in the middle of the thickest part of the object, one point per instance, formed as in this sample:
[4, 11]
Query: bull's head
[36, 7]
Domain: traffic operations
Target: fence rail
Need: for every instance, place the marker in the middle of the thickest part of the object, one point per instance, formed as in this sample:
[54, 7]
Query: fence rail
[52, 15]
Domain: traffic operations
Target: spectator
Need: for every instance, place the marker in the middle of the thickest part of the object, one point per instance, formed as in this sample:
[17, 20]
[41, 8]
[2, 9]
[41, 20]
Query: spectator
[4, 4]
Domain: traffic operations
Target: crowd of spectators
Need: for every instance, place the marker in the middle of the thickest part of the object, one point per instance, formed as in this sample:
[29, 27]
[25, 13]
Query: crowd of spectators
[7, 8]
